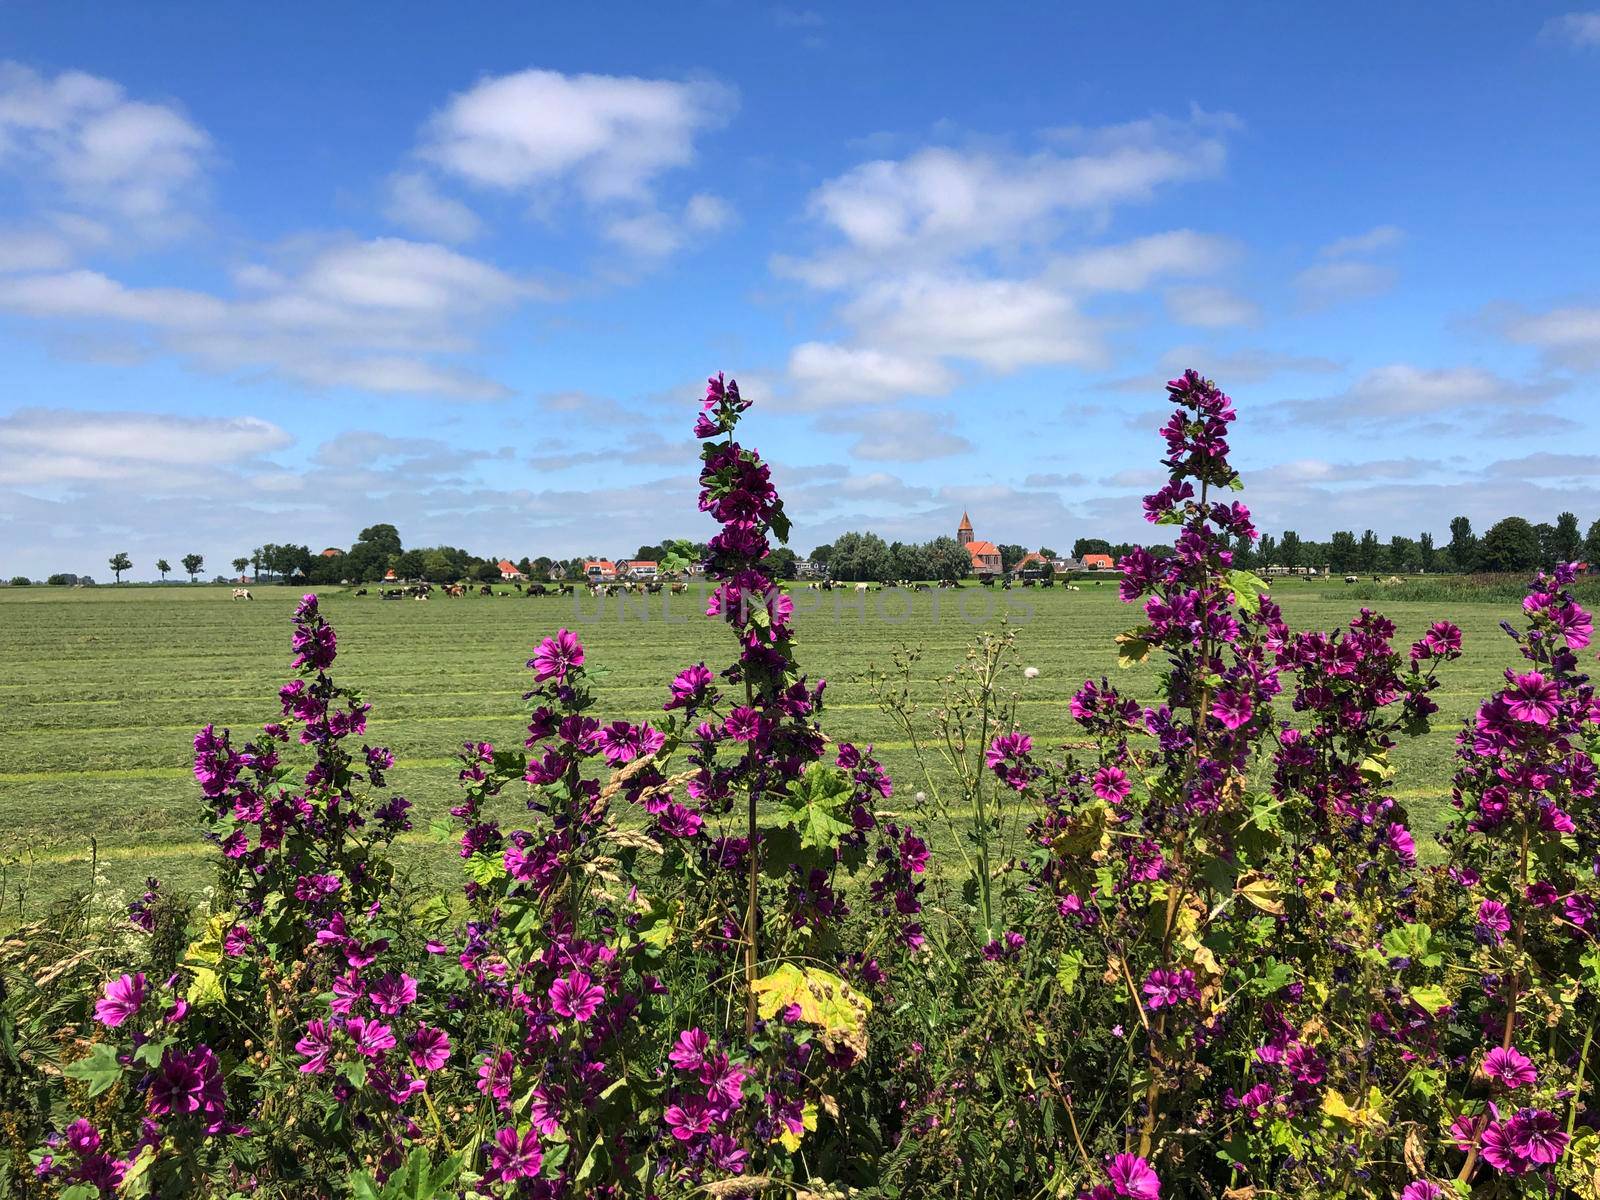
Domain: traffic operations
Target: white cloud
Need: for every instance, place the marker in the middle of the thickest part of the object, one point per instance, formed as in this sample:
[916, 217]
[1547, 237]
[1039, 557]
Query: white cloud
[941, 202]
[415, 203]
[1568, 337]
[1401, 392]
[1580, 29]
[1131, 266]
[1383, 237]
[1002, 323]
[138, 161]
[1210, 307]
[655, 234]
[1545, 465]
[826, 374]
[32, 250]
[363, 315]
[899, 435]
[41, 445]
[1333, 282]
[608, 137]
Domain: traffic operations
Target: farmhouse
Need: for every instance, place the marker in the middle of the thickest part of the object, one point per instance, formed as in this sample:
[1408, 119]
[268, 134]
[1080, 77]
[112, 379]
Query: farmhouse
[1032, 565]
[985, 555]
[1098, 562]
[332, 552]
[641, 568]
[508, 570]
[600, 568]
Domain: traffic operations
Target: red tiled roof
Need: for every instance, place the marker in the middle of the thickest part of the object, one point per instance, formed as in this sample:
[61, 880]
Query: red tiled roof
[1103, 561]
[982, 548]
[642, 562]
[507, 566]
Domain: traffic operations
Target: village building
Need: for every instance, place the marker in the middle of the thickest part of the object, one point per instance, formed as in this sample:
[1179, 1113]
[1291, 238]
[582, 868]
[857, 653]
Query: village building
[597, 569]
[332, 552]
[1099, 562]
[1032, 565]
[641, 568]
[508, 570]
[985, 555]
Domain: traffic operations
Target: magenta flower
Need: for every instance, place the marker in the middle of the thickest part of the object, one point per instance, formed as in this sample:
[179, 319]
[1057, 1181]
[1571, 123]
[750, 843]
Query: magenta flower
[689, 1119]
[1421, 1189]
[556, 656]
[393, 993]
[1536, 1136]
[372, 1038]
[316, 1045]
[1163, 988]
[122, 1000]
[494, 1075]
[690, 1051]
[576, 996]
[1532, 698]
[82, 1137]
[1402, 843]
[1494, 922]
[512, 1157]
[1510, 1068]
[1130, 1175]
[429, 1048]
[1111, 785]
[1232, 708]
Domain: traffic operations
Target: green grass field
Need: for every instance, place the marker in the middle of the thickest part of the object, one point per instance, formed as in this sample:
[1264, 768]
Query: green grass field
[104, 688]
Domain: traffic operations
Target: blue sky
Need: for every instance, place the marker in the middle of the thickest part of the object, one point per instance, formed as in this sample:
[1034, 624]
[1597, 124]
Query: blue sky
[274, 273]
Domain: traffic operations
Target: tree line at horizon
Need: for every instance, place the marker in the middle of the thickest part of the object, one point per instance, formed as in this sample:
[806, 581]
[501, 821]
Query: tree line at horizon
[1512, 544]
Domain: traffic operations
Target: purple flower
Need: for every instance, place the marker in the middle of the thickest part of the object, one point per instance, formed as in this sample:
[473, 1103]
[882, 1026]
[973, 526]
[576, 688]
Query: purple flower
[556, 656]
[576, 996]
[1421, 1189]
[689, 1119]
[121, 1000]
[1494, 922]
[1510, 1068]
[372, 1038]
[429, 1048]
[1532, 698]
[1232, 708]
[1535, 1135]
[393, 993]
[512, 1157]
[316, 1045]
[1163, 988]
[1130, 1175]
[690, 1051]
[1111, 785]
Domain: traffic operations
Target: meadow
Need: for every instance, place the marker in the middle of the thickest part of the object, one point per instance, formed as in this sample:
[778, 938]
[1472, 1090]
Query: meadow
[104, 689]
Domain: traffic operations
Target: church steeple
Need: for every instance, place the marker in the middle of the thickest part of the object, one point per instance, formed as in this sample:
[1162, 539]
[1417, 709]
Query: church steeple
[964, 530]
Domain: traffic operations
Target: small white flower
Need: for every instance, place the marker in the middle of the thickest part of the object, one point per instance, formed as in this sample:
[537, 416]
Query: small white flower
[921, 797]
[1030, 673]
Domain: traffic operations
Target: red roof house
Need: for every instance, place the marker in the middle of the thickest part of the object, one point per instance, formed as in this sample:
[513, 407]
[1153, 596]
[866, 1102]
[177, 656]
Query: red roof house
[1099, 562]
[599, 568]
[508, 569]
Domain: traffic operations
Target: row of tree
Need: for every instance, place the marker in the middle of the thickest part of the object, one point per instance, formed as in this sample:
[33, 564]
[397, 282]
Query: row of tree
[1513, 545]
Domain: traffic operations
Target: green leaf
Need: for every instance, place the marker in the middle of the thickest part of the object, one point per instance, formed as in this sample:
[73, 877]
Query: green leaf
[100, 1069]
[1248, 588]
[1068, 970]
[1432, 998]
[814, 807]
[1273, 977]
[417, 1179]
[1414, 942]
[1133, 646]
[485, 869]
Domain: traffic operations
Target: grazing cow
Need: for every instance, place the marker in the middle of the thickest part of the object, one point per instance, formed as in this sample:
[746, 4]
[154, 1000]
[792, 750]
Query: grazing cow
[361, 591]
[537, 589]
[679, 589]
[242, 594]
[1028, 583]
[862, 587]
[486, 590]
[987, 580]
[1351, 579]
[568, 590]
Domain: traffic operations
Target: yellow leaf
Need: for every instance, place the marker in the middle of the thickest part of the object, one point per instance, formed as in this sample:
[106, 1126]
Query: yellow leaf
[823, 1000]
[1261, 892]
[1335, 1106]
[205, 988]
[808, 1119]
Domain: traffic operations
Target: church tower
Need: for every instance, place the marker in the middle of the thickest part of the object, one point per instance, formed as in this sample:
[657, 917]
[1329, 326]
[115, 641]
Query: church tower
[964, 531]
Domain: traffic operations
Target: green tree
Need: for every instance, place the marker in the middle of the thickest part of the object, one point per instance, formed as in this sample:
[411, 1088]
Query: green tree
[948, 559]
[1267, 550]
[193, 564]
[373, 553]
[823, 553]
[1289, 548]
[239, 564]
[1425, 551]
[1402, 554]
[1511, 545]
[1090, 546]
[163, 566]
[1046, 552]
[780, 564]
[1463, 546]
[1011, 554]
[120, 562]
[409, 565]
[437, 566]
[1591, 547]
[1342, 551]
[1566, 543]
[1369, 552]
